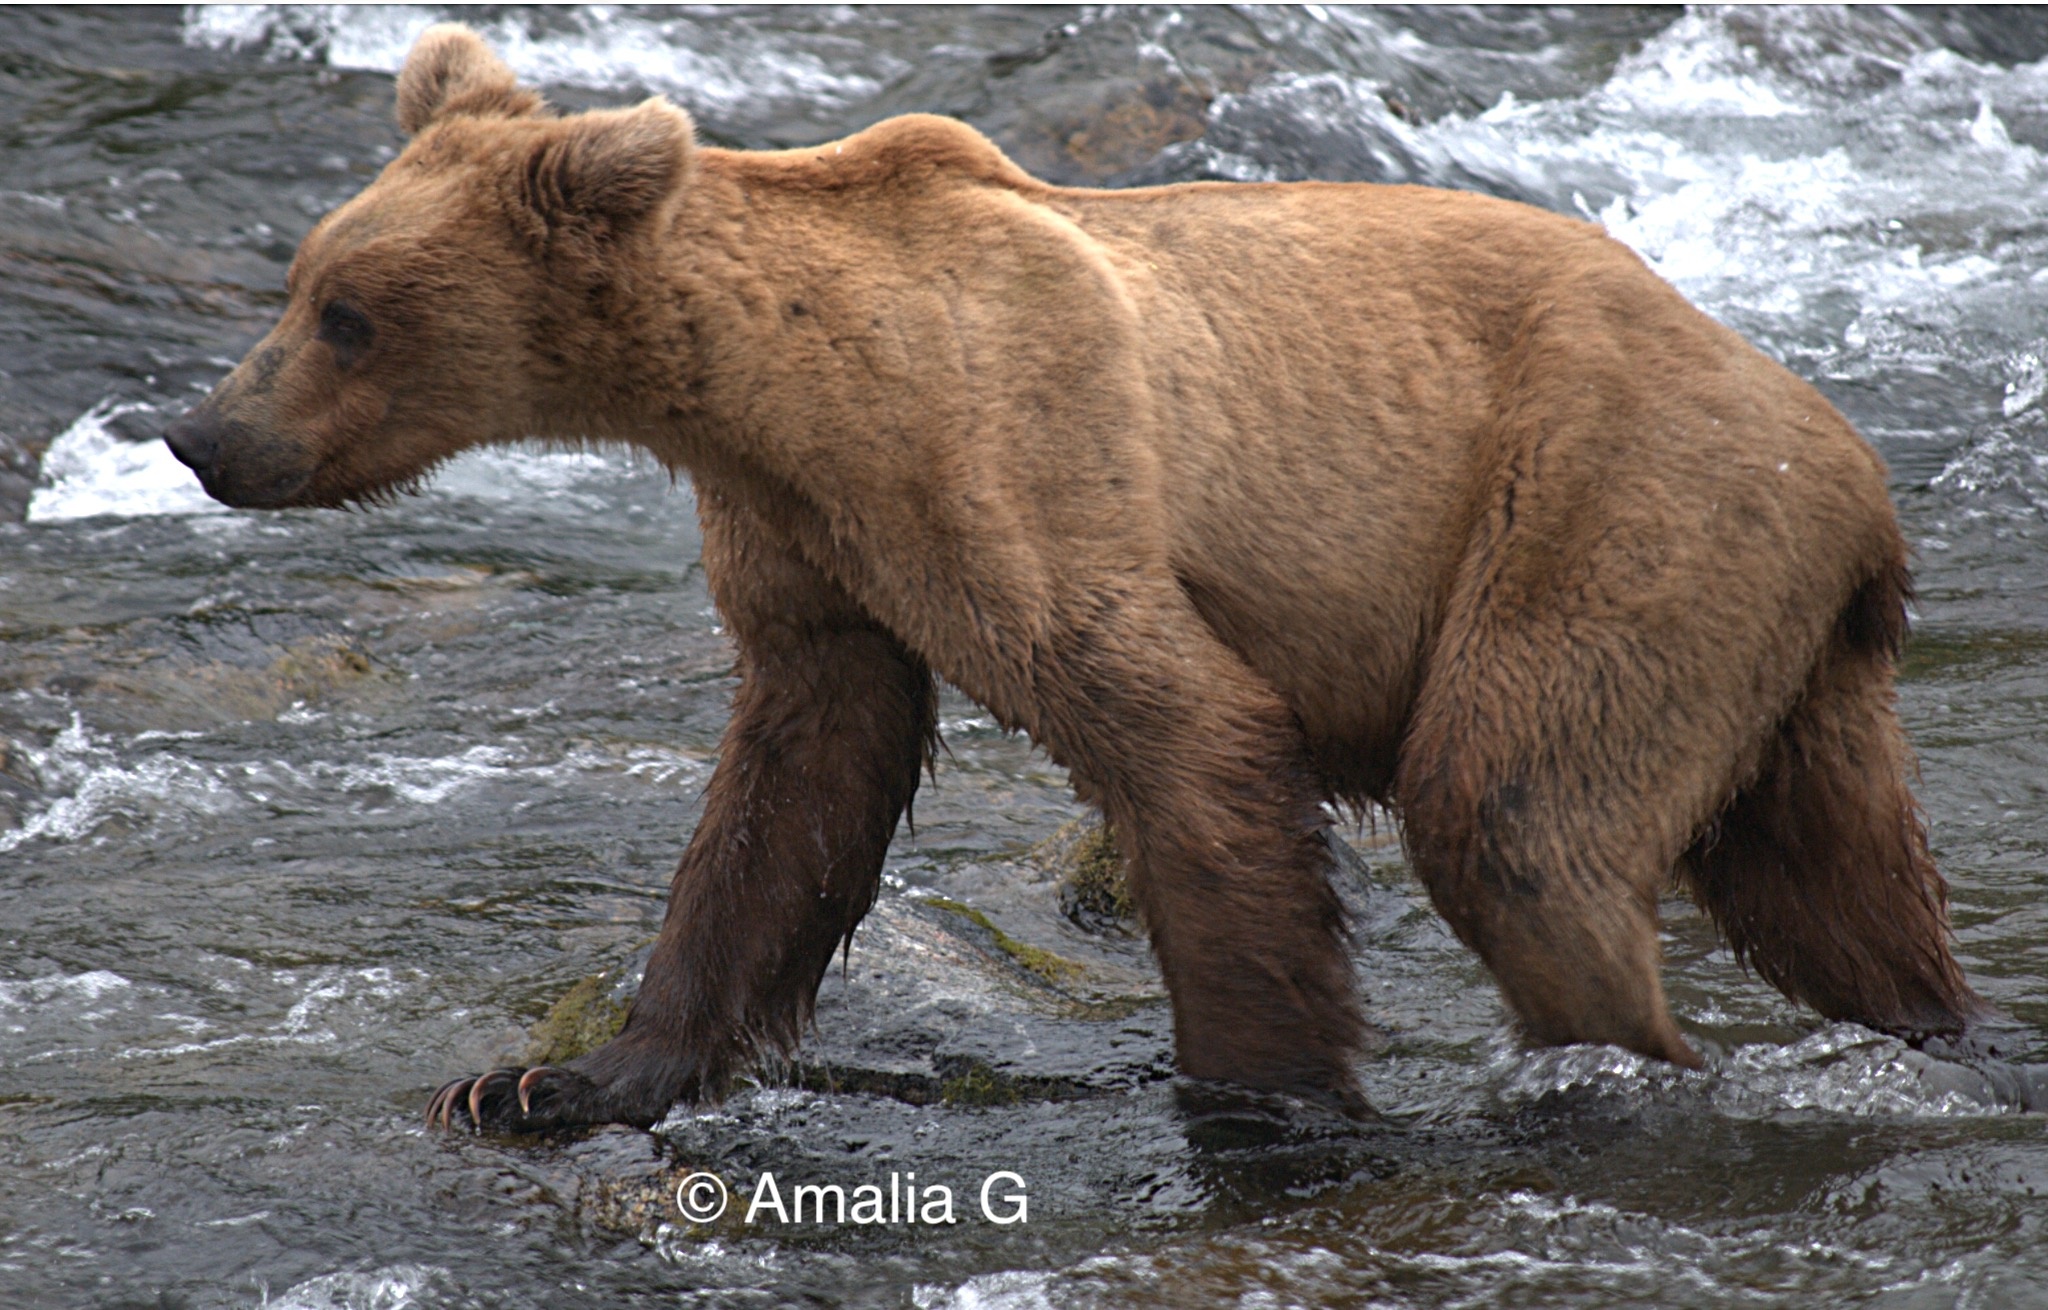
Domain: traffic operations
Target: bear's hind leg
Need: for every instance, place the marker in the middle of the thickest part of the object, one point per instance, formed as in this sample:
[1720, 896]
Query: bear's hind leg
[1818, 872]
[1547, 785]
[1563, 913]
[1204, 775]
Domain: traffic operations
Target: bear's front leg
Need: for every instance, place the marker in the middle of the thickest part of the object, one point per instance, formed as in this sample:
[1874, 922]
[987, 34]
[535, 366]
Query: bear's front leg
[831, 724]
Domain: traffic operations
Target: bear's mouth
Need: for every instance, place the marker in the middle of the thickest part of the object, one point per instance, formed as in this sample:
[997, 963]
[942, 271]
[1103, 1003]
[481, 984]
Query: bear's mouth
[325, 486]
[284, 490]
[318, 487]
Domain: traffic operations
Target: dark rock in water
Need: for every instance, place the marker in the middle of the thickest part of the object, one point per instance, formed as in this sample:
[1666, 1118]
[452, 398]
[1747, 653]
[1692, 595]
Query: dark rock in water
[1095, 897]
[1049, 967]
[638, 1200]
[140, 426]
[20, 788]
[19, 462]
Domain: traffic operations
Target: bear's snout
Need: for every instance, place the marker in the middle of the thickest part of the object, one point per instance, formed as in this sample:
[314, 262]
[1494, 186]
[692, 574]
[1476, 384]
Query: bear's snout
[236, 466]
[194, 437]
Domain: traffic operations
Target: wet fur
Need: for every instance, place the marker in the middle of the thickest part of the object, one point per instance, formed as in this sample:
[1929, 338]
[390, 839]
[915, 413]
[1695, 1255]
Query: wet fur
[1237, 499]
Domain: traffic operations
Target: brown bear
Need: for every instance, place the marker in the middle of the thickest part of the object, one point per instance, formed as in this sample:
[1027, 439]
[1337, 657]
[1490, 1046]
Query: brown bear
[1239, 499]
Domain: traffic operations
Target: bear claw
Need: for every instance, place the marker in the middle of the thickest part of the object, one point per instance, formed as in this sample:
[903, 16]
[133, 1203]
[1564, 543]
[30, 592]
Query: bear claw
[476, 1094]
[526, 1085]
[503, 1100]
[620, 1083]
[441, 1105]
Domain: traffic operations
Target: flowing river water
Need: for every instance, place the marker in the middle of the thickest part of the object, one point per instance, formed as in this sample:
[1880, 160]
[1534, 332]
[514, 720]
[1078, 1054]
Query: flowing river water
[301, 813]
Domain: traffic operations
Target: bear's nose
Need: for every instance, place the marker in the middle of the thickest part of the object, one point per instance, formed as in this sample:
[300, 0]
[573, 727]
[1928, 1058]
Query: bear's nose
[195, 439]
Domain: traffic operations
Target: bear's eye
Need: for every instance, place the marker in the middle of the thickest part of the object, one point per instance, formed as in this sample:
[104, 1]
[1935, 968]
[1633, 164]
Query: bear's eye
[346, 329]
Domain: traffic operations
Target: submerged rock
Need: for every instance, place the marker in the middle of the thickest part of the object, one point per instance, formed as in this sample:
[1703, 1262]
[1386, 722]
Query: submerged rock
[19, 786]
[198, 671]
[945, 1002]
[1035, 959]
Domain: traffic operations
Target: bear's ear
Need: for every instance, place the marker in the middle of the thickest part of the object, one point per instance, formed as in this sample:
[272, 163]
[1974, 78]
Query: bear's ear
[607, 169]
[452, 72]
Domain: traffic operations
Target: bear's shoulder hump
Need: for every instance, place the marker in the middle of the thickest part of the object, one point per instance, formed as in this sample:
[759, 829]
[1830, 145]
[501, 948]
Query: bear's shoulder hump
[918, 148]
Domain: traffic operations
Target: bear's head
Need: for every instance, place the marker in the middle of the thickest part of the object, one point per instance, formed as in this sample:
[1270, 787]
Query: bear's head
[460, 299]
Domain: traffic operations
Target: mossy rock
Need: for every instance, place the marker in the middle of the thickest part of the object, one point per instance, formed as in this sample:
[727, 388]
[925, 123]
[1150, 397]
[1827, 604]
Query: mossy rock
[1093, 891]
[979, 1085]
[1036, 960]
[588, 1015]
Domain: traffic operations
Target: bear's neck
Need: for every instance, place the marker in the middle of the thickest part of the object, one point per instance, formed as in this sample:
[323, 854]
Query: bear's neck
[694, 347]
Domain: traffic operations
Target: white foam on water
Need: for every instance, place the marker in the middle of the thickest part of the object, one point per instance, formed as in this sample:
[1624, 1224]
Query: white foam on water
[2026, 380]
[716, 66]
[660, 765]
[1010, 1289]
[103, 786]
[96, 783]
[432, 779]
[1534, 1233]
[393, 1287]
[1849, 1070]
[1999, 462]
[2003, 471]
[88, 986]
[1518, 1247]
[1843, 1069]
[1696, 66]
[420, 780]
[89, 471]
[64, 1002]
[228, 27]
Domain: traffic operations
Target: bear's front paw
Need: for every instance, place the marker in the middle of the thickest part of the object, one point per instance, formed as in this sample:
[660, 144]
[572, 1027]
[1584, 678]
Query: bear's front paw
[517, 1101]
[548, 1097]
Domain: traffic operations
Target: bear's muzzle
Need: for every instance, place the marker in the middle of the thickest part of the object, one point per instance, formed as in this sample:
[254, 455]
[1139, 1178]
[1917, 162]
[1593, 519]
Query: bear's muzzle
[237, 466]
